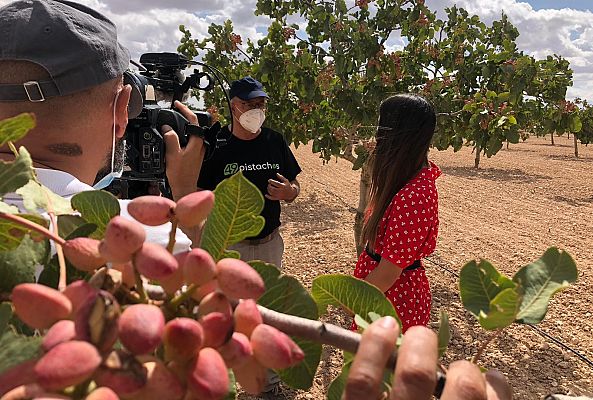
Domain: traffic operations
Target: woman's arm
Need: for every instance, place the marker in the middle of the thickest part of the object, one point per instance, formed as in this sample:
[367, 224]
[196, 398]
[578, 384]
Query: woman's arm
[385, 275]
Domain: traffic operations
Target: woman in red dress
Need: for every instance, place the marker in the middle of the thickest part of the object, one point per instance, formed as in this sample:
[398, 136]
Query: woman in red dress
[402, 218]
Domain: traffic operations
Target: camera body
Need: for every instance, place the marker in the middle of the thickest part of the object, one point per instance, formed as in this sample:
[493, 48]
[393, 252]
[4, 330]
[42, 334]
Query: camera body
[160, 80]
[145, 145]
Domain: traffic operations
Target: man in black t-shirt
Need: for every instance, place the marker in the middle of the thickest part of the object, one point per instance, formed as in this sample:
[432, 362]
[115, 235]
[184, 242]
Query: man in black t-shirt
[265, 159]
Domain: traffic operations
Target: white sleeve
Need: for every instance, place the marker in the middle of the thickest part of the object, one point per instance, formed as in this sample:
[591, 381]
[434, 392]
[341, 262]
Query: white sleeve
[160, 234]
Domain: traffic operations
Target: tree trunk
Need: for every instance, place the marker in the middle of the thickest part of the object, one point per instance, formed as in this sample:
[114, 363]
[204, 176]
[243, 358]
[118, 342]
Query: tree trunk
[576, 146]
[363, 201]
[552, 136]
[477, 160]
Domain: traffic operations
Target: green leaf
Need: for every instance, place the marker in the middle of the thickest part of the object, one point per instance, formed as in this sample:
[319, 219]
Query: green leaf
[96, 207]
[50, 276]
[301, 376]
[338, 385]
[504, 96]
[479, 284]
[232, 395]
[16, 128]
[15, 349]
[374, 316]
[470, 107]
[235, 215]
[73, 226]
[8, 209]
[231, 254]
[38, 198]
[540, 280]
[444, 334]
[513, 136]
[354, 295]
[5, 316]
[361, 322]
[18, 265]
[574, 123]
[15, 174]
[503, 310]
[20, 328]
[341, 7]
[12, 233]
[285, 294]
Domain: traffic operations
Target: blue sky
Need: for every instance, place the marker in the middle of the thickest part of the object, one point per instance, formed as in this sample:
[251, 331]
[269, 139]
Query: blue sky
[559, 4]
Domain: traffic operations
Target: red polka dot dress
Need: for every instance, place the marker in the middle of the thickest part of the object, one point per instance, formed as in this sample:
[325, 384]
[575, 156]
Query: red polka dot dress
[408, 232]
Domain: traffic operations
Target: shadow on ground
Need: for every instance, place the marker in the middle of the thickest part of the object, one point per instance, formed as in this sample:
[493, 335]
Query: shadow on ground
[320, 216]
[494, 174]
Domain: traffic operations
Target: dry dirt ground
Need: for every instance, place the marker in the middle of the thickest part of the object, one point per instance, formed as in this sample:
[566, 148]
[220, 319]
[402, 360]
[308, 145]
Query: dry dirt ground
[520, 202]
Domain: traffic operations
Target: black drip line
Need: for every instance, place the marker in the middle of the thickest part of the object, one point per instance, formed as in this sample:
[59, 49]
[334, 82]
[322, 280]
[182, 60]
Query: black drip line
[542, 333]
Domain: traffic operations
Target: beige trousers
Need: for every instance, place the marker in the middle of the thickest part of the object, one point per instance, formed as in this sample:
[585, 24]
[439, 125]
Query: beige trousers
[270, 252]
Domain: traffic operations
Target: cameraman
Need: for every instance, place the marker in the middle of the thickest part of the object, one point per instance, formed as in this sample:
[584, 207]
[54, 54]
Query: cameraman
[62, 61]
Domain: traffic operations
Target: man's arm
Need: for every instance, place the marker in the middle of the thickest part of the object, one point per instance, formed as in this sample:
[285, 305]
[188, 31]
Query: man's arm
[184, 165]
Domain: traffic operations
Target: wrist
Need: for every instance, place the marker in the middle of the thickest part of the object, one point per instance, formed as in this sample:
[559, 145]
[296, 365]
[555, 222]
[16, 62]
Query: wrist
[180, 191]
[295, 193]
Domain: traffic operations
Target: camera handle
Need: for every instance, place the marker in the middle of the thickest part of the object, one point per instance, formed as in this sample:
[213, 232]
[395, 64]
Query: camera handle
[192, 81]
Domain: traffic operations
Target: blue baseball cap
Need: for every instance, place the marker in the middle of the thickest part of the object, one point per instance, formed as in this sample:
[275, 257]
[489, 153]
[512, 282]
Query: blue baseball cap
[247, 88]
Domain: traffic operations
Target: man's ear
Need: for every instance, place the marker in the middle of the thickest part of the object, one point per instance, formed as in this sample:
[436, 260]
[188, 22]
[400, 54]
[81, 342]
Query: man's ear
[121, 111]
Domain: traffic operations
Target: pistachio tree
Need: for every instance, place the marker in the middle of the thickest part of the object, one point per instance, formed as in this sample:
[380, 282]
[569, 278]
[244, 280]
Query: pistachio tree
[327, 75]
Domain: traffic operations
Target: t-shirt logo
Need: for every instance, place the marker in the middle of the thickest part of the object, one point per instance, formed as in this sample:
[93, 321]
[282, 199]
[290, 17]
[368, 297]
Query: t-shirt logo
[231, 169]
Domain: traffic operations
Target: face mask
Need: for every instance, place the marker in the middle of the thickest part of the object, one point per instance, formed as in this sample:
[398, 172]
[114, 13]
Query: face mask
[107, 179]
[252, 120]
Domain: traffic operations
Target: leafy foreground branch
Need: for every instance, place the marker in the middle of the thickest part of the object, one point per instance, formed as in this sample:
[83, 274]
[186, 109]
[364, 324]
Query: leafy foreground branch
[196, 328]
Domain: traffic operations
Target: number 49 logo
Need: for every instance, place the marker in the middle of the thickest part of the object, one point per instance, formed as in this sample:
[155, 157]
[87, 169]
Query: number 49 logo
[231, 169]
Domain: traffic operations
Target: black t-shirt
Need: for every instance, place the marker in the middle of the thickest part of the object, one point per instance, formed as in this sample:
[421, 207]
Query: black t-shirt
[259, 159]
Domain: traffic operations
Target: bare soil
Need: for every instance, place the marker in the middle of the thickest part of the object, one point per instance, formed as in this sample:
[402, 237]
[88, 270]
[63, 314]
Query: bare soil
[520, 202]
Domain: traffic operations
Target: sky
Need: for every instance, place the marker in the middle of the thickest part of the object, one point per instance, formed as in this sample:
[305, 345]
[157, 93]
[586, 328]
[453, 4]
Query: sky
[563, 27]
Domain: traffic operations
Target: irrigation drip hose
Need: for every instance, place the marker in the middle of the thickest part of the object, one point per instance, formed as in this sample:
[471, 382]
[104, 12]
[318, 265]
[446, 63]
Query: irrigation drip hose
[539, 331]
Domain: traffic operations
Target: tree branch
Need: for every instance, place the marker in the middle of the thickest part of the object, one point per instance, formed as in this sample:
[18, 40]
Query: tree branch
[482, 348]
[312, 330]
[348, 154]
[320, 332]
[63, 279]
[32, 226]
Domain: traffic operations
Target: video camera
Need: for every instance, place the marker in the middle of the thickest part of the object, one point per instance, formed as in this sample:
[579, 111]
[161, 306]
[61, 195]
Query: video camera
[160, 80]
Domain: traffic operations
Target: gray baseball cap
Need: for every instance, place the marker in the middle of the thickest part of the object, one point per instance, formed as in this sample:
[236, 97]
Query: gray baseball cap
[76, 45]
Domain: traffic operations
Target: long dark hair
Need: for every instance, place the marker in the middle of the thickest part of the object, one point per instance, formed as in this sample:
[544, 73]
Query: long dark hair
[406, 127]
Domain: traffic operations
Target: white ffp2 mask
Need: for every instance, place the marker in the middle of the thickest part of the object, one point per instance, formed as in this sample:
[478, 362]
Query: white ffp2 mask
[252, 120]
